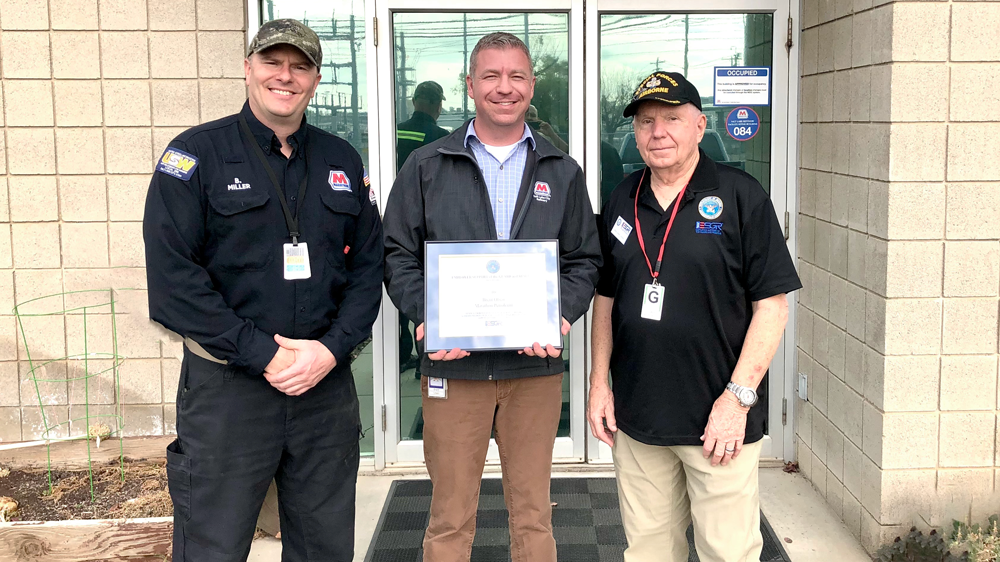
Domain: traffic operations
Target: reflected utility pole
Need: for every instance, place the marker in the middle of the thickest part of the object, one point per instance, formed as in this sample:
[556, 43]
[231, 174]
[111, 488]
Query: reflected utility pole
[527, 43]
[465, 63]
[355, 116]
[686, 45]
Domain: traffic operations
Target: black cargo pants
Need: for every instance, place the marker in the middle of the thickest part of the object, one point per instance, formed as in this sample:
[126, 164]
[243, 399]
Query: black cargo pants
[235, 432]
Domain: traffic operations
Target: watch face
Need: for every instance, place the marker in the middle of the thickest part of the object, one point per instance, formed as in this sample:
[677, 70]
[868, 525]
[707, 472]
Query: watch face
[748, 396]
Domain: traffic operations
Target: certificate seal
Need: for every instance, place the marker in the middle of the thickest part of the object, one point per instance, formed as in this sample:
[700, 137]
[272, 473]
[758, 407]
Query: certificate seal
[493, 266]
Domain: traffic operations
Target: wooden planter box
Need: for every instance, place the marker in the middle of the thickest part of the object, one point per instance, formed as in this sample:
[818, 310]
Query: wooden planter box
[85, 540]
[133, 540]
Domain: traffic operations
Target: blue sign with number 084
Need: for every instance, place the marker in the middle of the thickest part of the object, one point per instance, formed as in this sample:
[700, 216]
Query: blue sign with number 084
[742, 123]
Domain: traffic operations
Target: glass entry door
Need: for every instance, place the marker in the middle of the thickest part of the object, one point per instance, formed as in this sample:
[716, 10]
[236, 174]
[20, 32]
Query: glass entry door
[631, 39]
[423, 54]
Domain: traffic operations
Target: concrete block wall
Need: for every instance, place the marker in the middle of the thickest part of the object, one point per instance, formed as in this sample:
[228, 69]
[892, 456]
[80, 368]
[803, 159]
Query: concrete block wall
[92, 91]
[899, 251]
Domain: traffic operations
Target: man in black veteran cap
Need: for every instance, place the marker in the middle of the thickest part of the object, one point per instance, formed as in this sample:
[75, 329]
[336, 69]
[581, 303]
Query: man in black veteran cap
[690, 307]
[264, 251]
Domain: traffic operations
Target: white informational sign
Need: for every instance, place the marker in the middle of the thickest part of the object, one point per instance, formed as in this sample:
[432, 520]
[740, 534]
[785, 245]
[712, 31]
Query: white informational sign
[742, 85]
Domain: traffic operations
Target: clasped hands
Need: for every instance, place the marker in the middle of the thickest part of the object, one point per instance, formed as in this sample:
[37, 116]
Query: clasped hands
[298, 365]
[535, 350]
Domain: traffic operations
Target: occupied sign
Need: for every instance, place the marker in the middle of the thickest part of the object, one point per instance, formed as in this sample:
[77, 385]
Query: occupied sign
[742, 85]
[742, 123]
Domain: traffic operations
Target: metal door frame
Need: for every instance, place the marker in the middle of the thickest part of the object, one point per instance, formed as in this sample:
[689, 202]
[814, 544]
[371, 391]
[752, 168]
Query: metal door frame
[397, 452]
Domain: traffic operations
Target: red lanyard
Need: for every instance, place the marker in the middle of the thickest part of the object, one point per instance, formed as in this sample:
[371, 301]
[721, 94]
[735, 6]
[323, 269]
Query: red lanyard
[638, 229]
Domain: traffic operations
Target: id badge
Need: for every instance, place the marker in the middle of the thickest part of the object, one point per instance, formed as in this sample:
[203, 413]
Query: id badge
[297, 261]
[652, 302]
[437, 387]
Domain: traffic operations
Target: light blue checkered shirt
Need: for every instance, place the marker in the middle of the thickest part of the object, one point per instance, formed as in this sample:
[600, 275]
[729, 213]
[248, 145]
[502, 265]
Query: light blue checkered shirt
[503, 179]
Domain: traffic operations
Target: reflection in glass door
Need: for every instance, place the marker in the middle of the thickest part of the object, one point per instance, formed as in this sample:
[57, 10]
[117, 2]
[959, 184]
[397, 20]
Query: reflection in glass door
[428, 59]
[692, 44]
[431, 54]
[638, 37]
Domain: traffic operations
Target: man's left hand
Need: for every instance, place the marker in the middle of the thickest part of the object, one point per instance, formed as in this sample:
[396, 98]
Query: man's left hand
[726, 429]
[313, 361]
[536, 350]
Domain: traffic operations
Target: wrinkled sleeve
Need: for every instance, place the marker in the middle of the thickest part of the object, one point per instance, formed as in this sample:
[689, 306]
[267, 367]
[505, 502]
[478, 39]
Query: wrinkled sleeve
[768, 269]
[405, 232]
[606, 274]
[182, 294]
[579, 251]
[363, 293]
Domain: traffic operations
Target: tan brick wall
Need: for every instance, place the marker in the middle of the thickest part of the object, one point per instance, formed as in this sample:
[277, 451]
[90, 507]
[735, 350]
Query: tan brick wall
[92, 91]
[899, 251]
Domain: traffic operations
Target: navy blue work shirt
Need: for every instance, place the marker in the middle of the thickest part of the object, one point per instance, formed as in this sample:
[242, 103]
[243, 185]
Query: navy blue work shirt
[214, 233]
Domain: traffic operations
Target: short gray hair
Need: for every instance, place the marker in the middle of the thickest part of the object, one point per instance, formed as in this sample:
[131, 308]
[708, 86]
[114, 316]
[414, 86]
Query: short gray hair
[498, 40]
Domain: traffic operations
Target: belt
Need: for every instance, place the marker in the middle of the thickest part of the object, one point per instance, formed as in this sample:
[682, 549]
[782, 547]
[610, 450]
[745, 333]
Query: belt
[196, 348]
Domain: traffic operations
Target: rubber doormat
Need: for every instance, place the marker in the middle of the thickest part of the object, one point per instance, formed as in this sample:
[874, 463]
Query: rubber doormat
[586, 523]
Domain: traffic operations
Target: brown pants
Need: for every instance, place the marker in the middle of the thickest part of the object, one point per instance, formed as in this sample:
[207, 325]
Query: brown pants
[456, 438]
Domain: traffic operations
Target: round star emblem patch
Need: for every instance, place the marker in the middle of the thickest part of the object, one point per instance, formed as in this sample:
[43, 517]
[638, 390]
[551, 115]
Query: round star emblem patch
[710, 207]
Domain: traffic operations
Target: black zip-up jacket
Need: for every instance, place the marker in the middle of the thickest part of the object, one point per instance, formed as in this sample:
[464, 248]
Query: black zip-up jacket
[214, 259]
[439, 194]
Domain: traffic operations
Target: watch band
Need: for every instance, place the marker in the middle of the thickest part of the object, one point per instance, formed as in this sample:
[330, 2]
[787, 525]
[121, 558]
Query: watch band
[737, 390]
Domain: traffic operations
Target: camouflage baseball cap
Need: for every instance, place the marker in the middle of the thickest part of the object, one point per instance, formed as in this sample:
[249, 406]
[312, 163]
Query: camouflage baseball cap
[288, 32]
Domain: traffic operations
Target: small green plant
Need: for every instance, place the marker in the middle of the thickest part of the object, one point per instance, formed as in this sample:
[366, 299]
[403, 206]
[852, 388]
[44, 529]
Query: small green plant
[918, 547]
[982, 542]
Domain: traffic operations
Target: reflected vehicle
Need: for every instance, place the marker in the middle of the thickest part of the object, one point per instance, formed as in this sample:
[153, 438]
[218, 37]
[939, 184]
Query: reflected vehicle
[711, 143]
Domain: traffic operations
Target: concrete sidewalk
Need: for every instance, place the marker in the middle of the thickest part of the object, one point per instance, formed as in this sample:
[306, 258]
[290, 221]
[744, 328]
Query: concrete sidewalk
[794, 508]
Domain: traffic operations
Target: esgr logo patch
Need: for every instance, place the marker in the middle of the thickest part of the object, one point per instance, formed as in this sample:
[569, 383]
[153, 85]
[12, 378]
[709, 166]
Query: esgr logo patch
[708, 228]
[338, 181]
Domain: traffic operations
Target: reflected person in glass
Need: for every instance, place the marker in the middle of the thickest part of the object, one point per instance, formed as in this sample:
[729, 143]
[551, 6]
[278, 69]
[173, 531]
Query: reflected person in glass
[420, 129]
[689, 344]
[468, 186]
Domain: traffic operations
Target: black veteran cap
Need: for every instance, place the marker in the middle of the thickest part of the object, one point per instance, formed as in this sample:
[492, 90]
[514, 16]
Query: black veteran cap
[667, 87]
[288, 32]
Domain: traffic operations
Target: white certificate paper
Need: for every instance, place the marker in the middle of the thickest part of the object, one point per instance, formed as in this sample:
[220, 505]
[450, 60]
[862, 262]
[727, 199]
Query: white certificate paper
[505, 299]
[480, 302]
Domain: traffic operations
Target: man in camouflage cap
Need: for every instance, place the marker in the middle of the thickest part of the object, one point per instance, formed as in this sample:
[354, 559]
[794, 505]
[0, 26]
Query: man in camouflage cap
[264, 251]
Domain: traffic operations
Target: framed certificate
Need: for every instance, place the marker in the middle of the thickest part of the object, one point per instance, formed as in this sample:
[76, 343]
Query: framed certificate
[491, 295]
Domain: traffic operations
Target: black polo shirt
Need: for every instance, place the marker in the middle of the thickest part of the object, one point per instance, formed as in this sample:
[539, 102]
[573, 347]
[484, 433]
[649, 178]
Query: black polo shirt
[666, 374]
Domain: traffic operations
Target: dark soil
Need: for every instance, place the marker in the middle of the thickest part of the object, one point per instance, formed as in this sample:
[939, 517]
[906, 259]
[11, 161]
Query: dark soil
[142, 494]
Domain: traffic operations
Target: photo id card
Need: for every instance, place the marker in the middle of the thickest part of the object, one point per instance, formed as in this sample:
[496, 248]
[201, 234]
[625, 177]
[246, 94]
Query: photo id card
[296, 261]
[437, 387]
[652, 302]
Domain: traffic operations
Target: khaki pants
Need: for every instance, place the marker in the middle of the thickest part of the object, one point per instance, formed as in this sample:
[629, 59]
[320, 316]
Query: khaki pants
[662, 489]
[456, 438]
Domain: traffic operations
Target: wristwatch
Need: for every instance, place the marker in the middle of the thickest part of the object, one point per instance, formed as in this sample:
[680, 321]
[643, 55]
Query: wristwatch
[746, 395]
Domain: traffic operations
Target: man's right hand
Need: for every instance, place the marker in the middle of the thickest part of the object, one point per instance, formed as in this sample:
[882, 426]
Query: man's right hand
[281, 361]
[601, 411]
[442, 354]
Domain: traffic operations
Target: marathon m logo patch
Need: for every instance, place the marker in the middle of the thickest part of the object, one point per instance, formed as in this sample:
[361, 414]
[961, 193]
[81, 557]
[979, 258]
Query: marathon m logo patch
[542, 192]
[338, 181]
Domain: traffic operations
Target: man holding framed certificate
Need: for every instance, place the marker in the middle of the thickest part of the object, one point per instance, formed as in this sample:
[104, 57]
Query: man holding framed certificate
[491, 245]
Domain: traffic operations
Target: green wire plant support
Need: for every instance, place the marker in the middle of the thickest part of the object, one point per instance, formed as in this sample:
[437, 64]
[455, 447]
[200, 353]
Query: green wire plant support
[87, 370]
